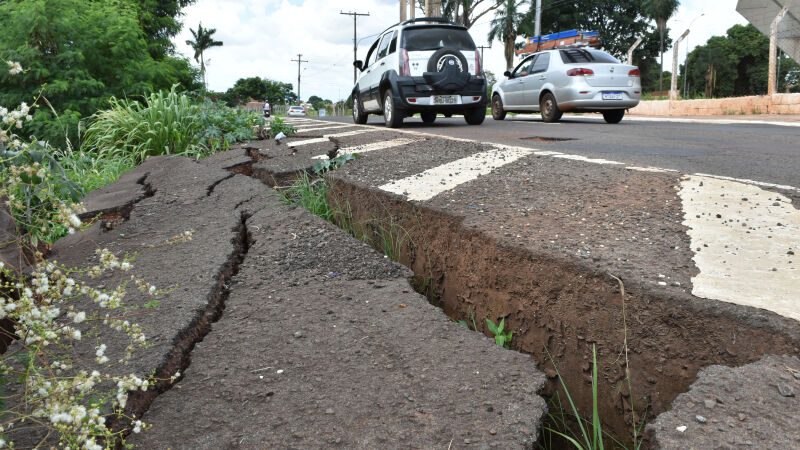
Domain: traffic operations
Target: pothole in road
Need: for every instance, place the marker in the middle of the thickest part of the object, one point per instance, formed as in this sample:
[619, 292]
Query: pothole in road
[558, 309]
[547, 139]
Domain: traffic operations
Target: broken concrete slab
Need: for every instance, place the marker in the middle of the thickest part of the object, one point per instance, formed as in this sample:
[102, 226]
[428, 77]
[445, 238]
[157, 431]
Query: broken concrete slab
[186, 197]
[323, 342]
[364, 359]
[756, 405]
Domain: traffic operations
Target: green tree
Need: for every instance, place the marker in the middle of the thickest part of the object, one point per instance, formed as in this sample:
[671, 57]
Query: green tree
[83, 52]
[736, 64]
[465, 12]
[202, 42]
[618, 24]
[159, 22]
[505, 27]
[661, 11]
[259, 89]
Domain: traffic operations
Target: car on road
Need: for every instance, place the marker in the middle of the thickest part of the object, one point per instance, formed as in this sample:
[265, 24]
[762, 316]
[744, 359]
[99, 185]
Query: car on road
[553, 82]
[426, 65]
[296, 111]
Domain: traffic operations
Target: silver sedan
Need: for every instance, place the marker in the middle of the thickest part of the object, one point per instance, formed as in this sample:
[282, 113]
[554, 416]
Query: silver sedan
[576, 79]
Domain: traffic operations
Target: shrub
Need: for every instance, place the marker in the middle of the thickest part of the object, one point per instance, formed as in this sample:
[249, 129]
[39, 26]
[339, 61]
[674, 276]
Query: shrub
[166, 123]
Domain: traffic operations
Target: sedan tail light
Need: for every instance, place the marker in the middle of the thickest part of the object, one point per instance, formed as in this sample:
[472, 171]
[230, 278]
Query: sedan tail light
[581, 71]
[634, 73]
[405, 68]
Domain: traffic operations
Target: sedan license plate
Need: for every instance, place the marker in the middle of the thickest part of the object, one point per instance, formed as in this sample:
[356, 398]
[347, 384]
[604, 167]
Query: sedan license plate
[612, 95]
[445, 99]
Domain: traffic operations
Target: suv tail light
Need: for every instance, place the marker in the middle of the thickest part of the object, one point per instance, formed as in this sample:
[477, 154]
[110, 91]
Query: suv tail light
[405, 68]
[580, 72]
[477, 63]
[634, 73]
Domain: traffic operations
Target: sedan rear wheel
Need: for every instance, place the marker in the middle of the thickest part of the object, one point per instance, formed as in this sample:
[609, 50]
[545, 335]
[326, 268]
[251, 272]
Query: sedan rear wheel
[614, 116]
[549, 108]
[498, 113]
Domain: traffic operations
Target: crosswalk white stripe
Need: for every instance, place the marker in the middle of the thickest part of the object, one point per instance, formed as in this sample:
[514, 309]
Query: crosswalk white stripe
[326, 137]
[316, 128]
[366, 148]
[741, 234]
[433, 182]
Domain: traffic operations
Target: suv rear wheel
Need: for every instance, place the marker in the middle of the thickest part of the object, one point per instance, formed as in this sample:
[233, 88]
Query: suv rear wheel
[549, 108]
[359, 116]
[498, 113]
[475, 116]
[428, 116]
[391, 115]
[614, 116]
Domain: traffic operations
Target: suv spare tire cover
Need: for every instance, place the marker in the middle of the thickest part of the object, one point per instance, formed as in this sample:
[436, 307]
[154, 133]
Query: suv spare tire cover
[447, 57]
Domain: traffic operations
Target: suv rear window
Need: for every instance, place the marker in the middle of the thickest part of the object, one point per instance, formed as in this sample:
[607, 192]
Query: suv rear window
[582, 55]
[434, 38]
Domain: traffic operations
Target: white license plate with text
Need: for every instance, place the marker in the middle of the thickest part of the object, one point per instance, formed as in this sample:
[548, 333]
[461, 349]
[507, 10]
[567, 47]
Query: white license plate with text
[445, 99]
[612, 95]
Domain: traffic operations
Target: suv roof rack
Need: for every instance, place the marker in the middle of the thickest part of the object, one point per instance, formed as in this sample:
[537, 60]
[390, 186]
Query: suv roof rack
[430, 19]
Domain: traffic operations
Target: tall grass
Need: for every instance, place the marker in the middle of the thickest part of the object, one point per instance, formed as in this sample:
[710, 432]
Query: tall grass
[311, 195]
[166, 123]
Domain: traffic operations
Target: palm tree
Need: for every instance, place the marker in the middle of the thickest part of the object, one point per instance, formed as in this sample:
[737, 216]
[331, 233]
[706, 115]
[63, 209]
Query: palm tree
[504, 27]
[202, 42]
[661, 11]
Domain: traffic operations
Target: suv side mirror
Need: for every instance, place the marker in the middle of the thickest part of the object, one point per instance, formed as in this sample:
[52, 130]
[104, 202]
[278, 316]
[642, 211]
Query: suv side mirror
[358, 64]
[507, 74]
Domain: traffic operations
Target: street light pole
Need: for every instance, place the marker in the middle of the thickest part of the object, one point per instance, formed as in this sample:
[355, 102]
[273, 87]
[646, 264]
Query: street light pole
[686, 59]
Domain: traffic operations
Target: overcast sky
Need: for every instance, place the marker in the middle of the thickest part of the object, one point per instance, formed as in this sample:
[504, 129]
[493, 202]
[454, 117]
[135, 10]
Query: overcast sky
[261, 37]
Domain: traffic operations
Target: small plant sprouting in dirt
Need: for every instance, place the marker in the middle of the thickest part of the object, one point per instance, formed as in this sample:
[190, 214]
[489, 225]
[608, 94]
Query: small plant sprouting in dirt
[333, 163]
[472, 318]
[278, 126]
[503, 339]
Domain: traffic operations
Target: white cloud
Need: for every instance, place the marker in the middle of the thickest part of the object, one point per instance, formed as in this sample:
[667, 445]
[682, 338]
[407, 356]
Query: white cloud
[261, 37]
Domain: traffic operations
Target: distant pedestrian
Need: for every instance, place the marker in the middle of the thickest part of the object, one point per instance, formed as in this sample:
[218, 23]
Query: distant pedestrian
[266, 108]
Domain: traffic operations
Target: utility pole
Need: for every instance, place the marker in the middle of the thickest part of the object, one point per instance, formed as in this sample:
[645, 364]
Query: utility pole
[433, 8]
[773, 51]
[299, 60]
[404, 9]
[355, 40]
[538, 29]
[483, 47]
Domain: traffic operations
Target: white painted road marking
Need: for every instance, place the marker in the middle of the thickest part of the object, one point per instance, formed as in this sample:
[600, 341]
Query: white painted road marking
[326, 138]
[432, 182]
[366, 148]
[305, 129]
[746, 242]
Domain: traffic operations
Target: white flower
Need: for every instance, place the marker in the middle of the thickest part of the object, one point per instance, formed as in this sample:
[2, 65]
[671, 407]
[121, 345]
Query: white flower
[14, 67]
[137, 426]
[80, 317]
[76, 334]
[152, 290]
[74, 220]
[101, 350]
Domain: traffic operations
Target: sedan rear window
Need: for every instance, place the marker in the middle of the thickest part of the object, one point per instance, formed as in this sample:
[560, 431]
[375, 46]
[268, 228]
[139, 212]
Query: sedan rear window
[434, 38]
[582, 55]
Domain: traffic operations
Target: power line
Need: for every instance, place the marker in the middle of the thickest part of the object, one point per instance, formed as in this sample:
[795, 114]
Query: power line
[299, 60]
[355, 37]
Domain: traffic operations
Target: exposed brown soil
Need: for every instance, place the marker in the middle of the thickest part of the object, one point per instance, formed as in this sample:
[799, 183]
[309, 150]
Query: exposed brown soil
[558, 307]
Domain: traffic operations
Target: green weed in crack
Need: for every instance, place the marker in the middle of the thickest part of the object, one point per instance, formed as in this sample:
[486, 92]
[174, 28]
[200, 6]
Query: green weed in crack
[391, 236]
[501, 338]
[311, 195]
[590, 434]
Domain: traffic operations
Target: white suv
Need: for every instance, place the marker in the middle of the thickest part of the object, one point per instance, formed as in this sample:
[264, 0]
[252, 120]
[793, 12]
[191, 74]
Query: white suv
[425, 65]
